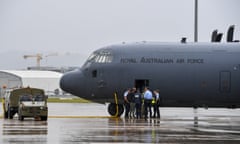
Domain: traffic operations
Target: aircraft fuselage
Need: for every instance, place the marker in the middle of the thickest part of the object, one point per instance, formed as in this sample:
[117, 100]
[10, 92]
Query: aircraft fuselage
[187, 75]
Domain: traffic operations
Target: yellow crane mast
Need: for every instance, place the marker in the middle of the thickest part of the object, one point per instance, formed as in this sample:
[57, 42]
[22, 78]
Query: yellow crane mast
[37, 56]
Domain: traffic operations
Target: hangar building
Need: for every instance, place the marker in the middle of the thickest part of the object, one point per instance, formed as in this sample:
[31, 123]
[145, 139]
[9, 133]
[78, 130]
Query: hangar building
[47, 80]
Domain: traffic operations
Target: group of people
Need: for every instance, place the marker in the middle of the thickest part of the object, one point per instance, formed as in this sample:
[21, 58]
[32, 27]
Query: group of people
[139, 105]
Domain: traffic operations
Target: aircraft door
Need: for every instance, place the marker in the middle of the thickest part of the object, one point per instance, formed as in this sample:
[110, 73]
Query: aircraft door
[225, 82]
[141, 83]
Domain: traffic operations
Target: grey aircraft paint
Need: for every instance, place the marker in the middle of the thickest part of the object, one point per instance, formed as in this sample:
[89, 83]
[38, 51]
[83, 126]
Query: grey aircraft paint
[187, 74]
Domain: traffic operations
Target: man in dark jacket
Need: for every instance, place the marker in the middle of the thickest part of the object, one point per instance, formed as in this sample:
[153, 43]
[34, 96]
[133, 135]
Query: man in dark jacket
[138, 103]
[131, 100]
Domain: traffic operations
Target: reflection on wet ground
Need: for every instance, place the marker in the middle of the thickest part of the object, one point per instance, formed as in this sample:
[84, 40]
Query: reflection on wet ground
[29, 131]
[30, 127]
[177, 125]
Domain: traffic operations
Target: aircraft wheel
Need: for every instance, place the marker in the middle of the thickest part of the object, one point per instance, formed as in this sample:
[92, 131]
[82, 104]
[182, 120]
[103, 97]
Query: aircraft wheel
[112, 109]
[120, 109]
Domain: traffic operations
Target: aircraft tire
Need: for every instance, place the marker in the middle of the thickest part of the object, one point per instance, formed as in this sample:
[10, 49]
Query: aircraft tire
[120, 109]
[112, 109]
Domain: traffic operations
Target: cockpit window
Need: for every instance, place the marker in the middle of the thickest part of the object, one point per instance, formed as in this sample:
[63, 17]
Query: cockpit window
[103, 56]
[91, 57]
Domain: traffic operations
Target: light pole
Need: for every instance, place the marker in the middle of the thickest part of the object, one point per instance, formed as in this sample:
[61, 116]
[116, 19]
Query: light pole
[196, 22]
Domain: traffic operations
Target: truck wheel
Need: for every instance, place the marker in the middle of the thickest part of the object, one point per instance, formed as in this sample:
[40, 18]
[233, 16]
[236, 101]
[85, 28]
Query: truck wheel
[44, 118]
[10, 116]
[5, 114]
[20, 117]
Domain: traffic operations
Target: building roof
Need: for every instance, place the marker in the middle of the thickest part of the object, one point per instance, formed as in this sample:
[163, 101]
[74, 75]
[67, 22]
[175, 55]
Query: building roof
[33, 73]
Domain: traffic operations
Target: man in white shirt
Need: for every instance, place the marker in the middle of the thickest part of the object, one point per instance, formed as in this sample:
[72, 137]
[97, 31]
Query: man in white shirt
[147, 102]
[126, 102]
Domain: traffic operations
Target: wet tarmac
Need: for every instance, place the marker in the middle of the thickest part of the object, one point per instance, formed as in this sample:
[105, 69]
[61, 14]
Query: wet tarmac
[89, 123]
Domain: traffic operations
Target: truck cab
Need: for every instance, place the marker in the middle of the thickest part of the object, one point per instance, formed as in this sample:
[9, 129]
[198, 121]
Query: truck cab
[26, 102]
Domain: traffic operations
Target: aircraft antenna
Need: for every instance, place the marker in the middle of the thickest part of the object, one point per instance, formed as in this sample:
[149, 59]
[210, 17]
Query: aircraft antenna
[230, 33]
[214, 36]
[184, 40]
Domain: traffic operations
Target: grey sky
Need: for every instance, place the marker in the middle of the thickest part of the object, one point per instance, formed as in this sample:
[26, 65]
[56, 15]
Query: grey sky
[81, 26]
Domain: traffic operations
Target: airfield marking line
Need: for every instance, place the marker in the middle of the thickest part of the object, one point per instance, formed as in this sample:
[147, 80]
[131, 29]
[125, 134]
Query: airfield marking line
[81, 117]
[1, 116]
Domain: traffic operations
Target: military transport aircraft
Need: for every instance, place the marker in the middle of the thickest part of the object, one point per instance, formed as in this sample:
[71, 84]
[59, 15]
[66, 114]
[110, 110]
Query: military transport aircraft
[187, 74]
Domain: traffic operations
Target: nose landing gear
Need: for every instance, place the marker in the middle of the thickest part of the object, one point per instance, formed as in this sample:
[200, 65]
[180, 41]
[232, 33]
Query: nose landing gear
[115, 109]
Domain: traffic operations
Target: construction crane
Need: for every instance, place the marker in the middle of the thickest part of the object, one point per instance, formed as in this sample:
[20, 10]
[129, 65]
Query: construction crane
[37, 56]
[51, 54]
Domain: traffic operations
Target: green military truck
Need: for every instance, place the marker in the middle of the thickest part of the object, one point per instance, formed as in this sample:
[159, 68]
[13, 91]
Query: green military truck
[26, 102]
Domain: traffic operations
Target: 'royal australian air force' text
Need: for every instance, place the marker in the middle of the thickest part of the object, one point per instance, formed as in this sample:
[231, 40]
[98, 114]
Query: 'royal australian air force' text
[145, 60]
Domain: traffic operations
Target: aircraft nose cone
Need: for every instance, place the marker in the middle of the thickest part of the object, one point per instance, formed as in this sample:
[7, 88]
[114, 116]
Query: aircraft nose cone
[70, 82]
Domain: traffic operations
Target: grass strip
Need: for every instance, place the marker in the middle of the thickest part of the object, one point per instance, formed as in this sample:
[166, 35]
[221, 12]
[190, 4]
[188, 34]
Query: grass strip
[68, 100]
[65, 100]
